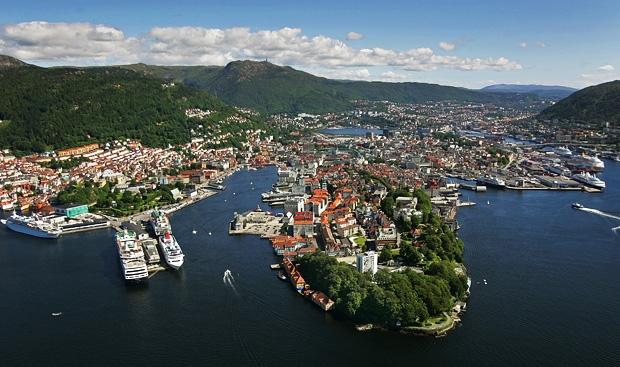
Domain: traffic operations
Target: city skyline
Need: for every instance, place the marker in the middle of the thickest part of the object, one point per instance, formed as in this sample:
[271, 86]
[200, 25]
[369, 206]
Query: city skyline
[445, 43]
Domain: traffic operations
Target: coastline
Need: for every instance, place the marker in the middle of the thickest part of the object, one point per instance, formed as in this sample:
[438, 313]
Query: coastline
[171, 208]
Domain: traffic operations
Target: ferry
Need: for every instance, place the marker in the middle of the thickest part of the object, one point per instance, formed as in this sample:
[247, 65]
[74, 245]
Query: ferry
[33, 226]
[159, 222]
[491, 181]
[590, 180]
[171, 250]
[131, 256]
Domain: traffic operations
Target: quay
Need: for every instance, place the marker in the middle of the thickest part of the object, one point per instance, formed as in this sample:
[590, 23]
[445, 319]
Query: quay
[256, 222]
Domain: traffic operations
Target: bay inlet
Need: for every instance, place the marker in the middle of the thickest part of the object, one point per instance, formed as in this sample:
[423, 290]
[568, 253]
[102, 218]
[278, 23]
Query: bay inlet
[551, 296]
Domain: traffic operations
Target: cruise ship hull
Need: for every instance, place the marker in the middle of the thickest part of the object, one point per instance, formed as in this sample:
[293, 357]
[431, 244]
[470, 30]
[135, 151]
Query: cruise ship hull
[491, 184]
[30, 231]
[134, 271]
[597, 185]
[173, 258]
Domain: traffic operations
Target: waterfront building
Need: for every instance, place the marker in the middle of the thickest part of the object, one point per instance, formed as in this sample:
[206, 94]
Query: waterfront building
[71, 210]
[367, 262]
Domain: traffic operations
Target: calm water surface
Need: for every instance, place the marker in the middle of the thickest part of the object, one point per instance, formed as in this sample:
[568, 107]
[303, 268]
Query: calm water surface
[552, 297]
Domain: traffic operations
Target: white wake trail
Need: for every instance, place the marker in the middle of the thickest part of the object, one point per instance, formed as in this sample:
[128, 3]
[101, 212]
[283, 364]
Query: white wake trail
[228, 280]
[598, 212]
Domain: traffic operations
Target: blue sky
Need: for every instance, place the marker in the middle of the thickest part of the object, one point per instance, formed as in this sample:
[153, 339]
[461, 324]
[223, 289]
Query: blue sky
[575, 43]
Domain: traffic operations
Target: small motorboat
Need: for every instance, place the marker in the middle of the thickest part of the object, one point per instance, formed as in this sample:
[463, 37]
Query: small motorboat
[56, 314]
[194, 231]
[576, 206]
[281, 276]
[209, 233]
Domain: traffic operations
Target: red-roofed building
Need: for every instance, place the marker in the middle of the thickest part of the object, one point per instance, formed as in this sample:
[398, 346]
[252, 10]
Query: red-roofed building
[303, 224]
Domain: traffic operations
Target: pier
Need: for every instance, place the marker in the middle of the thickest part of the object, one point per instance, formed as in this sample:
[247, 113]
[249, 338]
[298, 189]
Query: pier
[256, 222]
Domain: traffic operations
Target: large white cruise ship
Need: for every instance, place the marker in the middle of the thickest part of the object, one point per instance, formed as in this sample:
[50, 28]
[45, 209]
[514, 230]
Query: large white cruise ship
[159, 222]
[590, 180]
[492, 181]
[33, 226]
[586, 163]
[171, 250]
[131, 256]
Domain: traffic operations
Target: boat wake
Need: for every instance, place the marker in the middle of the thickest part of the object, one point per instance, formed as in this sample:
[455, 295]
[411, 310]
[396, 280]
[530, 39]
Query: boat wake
[602, 214]
[598, 212]
[229, 280]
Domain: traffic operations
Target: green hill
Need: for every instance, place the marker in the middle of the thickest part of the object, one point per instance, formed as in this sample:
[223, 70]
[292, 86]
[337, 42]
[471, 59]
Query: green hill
[50, 108]
[596, 104]
[271, 88]
[553, 92]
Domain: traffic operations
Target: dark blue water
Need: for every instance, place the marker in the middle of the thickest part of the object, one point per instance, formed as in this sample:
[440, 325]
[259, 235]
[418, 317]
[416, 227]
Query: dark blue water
[552, 297]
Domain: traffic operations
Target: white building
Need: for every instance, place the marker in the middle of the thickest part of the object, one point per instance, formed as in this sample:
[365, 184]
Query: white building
[367, 262]
[294, 205]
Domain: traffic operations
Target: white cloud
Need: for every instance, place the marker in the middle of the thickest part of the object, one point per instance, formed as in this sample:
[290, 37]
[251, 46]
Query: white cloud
[541, 44]
[354, 36]
[84, 43]
[607, 67]
[68, 41]
[523, 44]
[353, 74]
[390, 75]
[447, 46]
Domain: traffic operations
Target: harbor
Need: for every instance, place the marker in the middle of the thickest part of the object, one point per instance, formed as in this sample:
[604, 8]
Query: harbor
[81, 277]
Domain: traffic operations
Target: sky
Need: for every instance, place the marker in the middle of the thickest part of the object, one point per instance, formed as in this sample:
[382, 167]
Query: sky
[462, 43]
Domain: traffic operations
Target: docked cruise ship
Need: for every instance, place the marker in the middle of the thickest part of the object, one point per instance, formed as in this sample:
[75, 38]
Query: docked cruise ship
[159, 222]
[586, 163]
[590, 180]
[558, 169]
[131, 256]
[171, 250]
[563, 151]
[33, 226]
[491, 181]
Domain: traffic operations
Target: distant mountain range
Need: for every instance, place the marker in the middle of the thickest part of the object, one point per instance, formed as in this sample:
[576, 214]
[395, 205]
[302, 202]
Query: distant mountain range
[50, 108]
[554, 92]
[270, 88]
[596, 104]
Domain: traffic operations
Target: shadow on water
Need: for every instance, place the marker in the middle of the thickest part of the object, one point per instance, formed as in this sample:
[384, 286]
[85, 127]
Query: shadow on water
[110, 265]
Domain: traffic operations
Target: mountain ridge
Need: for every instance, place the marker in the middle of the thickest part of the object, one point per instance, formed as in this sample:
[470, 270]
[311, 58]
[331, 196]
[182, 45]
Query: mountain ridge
[595, 104]
[555, 92]
[271, 88]
[50, 108]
